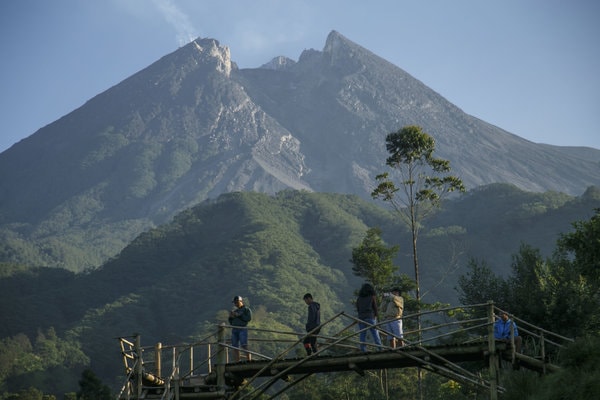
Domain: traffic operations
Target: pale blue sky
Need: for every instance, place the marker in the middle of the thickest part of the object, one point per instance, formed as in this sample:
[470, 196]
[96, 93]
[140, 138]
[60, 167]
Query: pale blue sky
[529, 67]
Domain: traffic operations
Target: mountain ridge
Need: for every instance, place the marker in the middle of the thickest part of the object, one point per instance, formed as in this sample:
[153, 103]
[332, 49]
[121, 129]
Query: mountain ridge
[192, 126]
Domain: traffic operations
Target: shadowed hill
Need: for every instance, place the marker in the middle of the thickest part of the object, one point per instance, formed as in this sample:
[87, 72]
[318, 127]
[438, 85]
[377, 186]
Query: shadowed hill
[175, 281]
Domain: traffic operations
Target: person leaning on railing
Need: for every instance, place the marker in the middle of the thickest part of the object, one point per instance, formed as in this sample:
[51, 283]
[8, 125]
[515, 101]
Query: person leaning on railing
[502, 330]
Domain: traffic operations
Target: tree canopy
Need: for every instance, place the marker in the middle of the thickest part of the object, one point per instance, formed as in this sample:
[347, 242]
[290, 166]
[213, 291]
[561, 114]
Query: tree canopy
[373, 260]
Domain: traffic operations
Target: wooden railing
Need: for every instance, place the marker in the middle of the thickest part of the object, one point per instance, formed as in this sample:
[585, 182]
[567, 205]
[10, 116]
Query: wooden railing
[203, 370]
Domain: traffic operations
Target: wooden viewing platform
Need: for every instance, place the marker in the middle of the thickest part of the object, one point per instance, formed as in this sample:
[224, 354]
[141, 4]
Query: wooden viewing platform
[214, 377]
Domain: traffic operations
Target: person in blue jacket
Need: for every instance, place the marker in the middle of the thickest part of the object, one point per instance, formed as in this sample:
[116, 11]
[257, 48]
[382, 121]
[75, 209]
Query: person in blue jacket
[502, 330]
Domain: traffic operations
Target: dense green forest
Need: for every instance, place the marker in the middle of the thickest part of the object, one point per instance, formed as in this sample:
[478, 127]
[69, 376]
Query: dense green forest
[173, 283]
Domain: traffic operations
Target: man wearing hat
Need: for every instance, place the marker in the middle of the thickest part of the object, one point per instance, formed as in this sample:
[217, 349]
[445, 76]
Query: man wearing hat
[239, 318]
[393, 306]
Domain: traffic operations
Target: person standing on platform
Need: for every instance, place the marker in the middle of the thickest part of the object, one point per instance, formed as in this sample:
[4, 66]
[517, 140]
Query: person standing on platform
[239, 318]
[312, 321]
[393, 307]
[366, 306]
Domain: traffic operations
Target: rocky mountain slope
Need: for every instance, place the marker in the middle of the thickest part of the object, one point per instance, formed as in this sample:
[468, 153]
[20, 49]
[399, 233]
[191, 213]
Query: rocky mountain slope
[192, 126]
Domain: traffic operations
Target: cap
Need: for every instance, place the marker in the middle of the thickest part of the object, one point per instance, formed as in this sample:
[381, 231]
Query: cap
[396, 289]
[237, 298]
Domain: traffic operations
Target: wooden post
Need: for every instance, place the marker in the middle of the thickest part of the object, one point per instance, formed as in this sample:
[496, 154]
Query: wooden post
[138, 366]
[209, 357]
[493, 356]
[157, 359]
[176, 372]
[221, 358]
[543, 351]
[191, 360]
[513, 350]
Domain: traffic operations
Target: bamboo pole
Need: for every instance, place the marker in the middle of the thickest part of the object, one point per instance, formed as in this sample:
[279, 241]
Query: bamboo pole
[157, 359]
[191, 361]
[543, 351]
[138, 366]
[209, 358]
[493, 357]
[221, 358]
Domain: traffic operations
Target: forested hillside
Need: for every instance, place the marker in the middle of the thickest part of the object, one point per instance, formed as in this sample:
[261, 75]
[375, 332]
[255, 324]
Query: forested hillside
[175, 282]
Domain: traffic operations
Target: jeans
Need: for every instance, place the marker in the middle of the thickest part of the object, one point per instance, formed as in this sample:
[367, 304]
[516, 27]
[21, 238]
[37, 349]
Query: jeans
[363, 333]
[239, 337]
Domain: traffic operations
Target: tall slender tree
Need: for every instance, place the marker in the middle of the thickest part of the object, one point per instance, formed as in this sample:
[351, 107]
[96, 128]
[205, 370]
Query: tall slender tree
[424, 182]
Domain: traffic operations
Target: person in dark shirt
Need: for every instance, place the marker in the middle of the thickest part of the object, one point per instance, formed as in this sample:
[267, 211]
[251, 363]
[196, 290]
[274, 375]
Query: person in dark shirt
[239, 318]
[312, 321]
[366, 306]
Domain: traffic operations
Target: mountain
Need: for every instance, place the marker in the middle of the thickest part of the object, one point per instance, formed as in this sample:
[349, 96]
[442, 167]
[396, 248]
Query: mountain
[192, 126]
